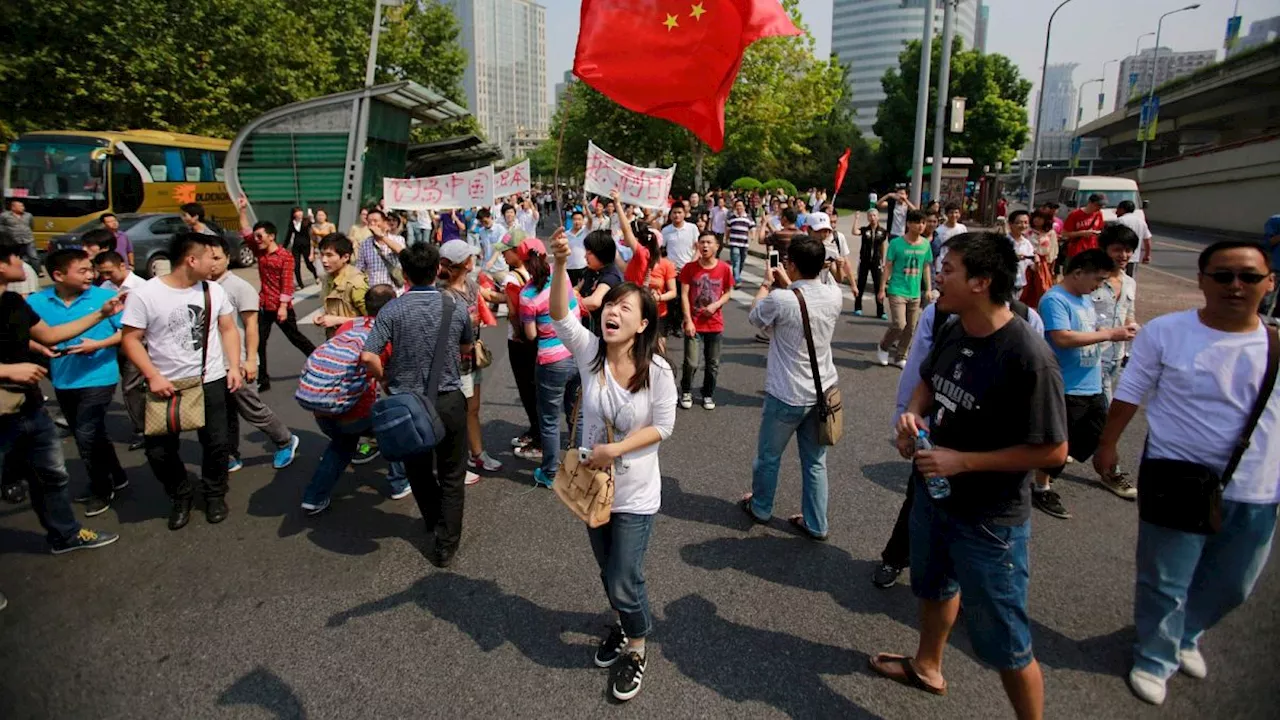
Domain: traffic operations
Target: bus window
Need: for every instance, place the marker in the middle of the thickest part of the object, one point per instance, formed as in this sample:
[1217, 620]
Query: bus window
[126, 185]
[153, 159]
[197, 164]
[58, 178]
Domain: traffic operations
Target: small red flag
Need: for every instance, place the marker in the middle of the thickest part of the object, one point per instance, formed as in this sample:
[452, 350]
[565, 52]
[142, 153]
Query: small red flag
[842, 167]
[673, 59]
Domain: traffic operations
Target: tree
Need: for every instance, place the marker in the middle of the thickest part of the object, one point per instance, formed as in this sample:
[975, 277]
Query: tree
[205, 66]
[995, 124]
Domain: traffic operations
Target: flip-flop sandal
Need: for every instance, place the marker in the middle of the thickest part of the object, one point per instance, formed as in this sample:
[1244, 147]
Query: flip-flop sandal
[745, 504]
[797, 522]
[909, 676]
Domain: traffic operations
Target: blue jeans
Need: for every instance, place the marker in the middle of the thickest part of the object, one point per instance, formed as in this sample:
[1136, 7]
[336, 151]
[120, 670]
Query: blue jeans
[343, 439]
[737, 258]
[31, 437]
[558, 384]
[619, 548]
[777, 424]
[1111, 370]
[1188, 582]
[988, 565]
[86, 413]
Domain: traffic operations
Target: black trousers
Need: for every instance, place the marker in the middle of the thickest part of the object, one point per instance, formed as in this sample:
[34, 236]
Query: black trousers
[438, 477]
[898, 552]
[524, 361]
[301, 257]
[865, 268]
[267, 318]
[86, 413]
[162, 450]
[675, 311]
[1086, 418]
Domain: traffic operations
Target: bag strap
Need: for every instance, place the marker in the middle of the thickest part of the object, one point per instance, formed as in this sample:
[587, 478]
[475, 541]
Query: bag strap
[813, 354]
[208, 317]
[577, 405]
[1259, 403]
[442, 342]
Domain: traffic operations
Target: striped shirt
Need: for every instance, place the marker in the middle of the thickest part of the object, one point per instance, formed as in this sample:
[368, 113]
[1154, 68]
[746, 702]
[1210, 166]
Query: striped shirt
[535, 307]
[410, 324]
[373, 259]
[740, 227]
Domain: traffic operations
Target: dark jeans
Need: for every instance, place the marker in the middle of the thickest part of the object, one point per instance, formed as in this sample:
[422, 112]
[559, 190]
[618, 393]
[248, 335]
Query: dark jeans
[166, 463]
[343, 439]
[267, 318]
[619, 547]
[86, 413]
[29, 444]
[438, 477]
[301, 257]
[524, 362]
[710, 354]
[898, 552]
[675, 311]
[865, 268]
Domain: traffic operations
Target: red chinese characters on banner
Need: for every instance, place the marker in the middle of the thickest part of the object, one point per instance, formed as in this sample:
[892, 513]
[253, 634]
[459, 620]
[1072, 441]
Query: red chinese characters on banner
[440, 192]
[512, 181]
[645, 187]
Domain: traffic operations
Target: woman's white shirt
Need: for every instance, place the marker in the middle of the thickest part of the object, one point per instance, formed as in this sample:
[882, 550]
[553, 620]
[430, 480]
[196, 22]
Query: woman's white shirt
[637, 476]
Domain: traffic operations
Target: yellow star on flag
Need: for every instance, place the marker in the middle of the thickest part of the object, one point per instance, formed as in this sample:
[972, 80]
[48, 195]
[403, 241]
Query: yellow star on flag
[697, 11]
[671, 22]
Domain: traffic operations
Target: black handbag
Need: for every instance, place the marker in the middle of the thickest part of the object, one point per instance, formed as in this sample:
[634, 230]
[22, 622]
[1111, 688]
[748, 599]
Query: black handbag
[1187, 496]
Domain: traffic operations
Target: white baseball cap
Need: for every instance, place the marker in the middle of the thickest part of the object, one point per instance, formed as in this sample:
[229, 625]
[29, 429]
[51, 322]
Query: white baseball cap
[818, 221]
[456, 251]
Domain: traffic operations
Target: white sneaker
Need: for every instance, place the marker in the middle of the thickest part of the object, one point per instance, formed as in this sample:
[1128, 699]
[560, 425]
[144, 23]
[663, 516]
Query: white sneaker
[1147, 687]
[902, 364]
[1192, 663]
[401, 494]
[708, 403]
[882, 357]
[471, 478]
[686, 401]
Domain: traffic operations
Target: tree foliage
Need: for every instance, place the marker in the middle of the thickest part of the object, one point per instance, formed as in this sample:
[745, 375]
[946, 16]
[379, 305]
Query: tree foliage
[782, 93]
[206, 66]
[995, 125]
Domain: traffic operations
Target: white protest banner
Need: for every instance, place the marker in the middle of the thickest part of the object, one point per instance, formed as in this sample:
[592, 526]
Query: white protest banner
[514, 179]
[646, 187]
[440, 192]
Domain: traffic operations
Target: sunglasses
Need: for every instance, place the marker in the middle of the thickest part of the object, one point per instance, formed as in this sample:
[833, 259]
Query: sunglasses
[1226, 277]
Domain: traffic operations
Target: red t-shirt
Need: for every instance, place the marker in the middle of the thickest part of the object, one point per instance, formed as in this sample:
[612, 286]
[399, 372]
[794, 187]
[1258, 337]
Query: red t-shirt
[638, 267]
[706, 285]
[365, 405]
[1081, 220]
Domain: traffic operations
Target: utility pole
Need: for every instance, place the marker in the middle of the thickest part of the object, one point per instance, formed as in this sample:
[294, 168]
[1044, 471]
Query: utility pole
[1035, 136]
[922, 104]
[944, 92]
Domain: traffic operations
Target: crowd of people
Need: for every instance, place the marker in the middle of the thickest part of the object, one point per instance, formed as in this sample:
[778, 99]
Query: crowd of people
[1019, 348]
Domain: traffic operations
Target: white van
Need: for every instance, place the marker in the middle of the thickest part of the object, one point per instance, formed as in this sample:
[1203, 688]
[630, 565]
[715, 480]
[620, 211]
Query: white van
[1075, 192]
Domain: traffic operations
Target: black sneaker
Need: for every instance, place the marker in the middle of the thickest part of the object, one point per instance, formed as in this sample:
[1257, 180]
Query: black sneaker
[366, 452]
[14, 494]
[629, 676]
[119, 484]
[137, 444]
[611, 647]
[1050, 503]
[86, 539]
[886, 576]
[96, 505]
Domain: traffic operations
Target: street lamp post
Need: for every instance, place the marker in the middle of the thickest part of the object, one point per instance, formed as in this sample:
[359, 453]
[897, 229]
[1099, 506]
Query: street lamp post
[1035, 138]
[357, 136]
[1079, 113]
[1134, 85]
[1151, 87]
[922, 106]
[1102, 93]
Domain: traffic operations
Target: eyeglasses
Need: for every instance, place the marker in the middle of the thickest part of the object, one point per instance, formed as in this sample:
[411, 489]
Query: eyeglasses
[1226, 277]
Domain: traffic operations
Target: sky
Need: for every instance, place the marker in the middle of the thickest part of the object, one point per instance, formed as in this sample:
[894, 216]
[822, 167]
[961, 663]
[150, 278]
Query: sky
[1088, 32]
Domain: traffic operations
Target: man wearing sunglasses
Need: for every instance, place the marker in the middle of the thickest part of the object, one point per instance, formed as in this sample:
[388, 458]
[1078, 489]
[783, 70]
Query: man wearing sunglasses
[1200, 372]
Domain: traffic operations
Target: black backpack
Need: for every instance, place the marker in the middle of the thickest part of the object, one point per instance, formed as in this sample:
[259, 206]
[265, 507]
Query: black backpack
[941, 319]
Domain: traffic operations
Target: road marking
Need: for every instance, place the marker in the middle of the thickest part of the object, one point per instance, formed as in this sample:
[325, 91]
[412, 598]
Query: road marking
[1178, 246]
[1146, 268]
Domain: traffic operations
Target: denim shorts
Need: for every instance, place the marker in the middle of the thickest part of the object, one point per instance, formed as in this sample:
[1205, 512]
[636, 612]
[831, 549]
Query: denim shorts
[988, 565]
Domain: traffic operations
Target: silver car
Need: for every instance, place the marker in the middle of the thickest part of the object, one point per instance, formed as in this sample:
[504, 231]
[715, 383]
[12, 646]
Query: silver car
[151, 234]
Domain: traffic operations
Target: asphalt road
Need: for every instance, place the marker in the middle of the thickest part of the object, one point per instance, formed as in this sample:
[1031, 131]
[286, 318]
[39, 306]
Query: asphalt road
[271, 615]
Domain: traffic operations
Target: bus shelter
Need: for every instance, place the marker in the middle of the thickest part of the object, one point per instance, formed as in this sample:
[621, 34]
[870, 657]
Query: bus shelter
[331, 153]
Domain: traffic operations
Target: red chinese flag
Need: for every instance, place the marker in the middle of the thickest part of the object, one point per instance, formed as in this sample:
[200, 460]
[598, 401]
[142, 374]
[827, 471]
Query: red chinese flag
[673, 59]
[842, 167]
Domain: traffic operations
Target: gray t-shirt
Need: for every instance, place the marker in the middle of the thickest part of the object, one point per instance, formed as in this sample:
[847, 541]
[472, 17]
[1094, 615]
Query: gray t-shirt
[244, 299]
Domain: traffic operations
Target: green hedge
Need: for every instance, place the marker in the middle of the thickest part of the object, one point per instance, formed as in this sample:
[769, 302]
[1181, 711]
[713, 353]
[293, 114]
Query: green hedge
[746, 183]
[783, 185]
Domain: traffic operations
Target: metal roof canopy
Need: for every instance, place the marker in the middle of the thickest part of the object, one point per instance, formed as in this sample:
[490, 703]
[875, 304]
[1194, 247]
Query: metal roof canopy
[464, 152]
[424, 105]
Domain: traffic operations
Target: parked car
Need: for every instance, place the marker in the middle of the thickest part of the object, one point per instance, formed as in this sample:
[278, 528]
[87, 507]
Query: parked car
[151, 234]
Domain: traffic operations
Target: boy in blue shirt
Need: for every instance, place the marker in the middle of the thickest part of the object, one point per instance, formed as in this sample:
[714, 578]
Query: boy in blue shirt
[85, 370]
[1071, 327]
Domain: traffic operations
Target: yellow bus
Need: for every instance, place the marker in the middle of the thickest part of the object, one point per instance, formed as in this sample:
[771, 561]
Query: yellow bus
[68, 178]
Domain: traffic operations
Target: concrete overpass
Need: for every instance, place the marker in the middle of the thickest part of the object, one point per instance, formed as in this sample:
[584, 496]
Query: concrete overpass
[1215, 162]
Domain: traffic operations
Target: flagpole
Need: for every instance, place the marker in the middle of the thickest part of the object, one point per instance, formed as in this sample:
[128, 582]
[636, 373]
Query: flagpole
[555, 183]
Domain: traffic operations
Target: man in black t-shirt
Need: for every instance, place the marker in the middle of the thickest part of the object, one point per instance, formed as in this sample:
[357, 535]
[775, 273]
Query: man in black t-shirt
[601, 276]
[28, 436]
[993, 391]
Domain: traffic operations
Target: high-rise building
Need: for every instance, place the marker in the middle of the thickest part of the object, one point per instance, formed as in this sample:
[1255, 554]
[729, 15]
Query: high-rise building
[980, 31]
[1059, 98]
[868, 36]
[506, 75]
[562, 86]
[1169, 65]
[1260, 33]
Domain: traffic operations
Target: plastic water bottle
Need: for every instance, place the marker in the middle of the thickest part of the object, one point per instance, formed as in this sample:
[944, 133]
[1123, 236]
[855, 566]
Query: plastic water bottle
[938, 487]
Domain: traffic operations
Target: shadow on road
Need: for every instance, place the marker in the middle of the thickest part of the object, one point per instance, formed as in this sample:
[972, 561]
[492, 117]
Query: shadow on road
[262, 688]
